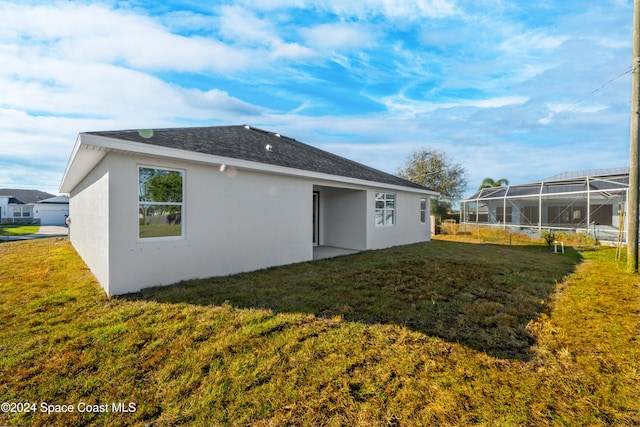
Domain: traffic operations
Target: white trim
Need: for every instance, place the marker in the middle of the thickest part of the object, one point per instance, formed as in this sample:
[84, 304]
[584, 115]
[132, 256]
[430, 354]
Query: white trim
[384, 210]
[72, 157]
[183, 216]
[316, 218]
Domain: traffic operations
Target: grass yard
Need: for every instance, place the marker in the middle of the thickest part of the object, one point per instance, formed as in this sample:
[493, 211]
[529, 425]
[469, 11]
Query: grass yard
[160, 230]
[18, 230]
[481, 296]
[444, 333]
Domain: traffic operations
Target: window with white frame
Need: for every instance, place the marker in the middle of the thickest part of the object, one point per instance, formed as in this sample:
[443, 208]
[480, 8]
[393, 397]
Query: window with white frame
[385, 209]
[160, 202]
[22, 211]
[423, 210]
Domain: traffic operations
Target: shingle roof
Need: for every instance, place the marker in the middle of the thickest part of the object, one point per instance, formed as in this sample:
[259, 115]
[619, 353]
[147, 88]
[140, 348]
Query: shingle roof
[248, 143]
[19, 197]
[61, 200]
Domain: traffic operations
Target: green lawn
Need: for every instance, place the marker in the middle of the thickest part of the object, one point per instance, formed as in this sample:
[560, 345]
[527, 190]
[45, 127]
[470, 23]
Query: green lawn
[444, 333]
[18, 230]
[482, 296]
[160, 230]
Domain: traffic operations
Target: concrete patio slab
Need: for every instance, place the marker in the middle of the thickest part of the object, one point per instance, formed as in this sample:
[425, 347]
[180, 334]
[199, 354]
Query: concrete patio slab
[323, 252]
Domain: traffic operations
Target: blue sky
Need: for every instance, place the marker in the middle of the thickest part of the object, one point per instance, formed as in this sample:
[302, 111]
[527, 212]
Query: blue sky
[509, 89]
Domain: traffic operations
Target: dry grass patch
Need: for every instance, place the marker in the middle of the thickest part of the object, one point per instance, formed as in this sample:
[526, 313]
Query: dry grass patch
[252, 362]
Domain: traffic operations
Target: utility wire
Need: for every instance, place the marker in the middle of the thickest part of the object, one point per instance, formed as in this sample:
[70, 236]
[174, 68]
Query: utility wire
[629, 70]
[572, 106]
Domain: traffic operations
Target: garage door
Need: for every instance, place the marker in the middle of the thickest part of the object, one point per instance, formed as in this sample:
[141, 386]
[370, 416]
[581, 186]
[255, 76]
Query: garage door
[52, 216]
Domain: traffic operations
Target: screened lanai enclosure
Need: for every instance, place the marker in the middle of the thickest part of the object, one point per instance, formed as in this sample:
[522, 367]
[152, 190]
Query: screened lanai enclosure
[591, 201]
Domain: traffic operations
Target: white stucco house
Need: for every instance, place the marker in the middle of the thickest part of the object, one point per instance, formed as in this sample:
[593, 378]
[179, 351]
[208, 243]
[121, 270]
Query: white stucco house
[156, 207]
[19, 206]
[52, 211]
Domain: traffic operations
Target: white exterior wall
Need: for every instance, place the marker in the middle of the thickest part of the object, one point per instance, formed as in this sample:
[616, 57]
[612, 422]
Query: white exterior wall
[342, 217]
[231, 223]
[4, 206]
[89, 214]
[407, 229]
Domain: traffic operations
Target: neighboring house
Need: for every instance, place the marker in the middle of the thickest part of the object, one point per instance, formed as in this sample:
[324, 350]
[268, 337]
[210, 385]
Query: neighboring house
[587, 201]
[53, 211]
[157, 207]
[32, 207]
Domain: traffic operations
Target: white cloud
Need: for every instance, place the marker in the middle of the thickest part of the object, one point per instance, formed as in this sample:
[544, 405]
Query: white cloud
[532, 41]
[83, 33]
[160, 52]
[61, 87]
[412, 108]
[559, 108]
[291, 51]
[214, 101]
[113, 92]
[242, 25]
[338, 36]
[419, 8]
[188, 22]
[501, 101]
[392, 9]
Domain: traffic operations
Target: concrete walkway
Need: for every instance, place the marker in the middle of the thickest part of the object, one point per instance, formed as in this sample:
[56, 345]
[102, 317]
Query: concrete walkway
[45, 231]
[322, 252]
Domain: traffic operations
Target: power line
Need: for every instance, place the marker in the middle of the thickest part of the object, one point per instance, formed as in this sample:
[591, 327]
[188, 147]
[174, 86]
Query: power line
[603, 86]
[575, 104]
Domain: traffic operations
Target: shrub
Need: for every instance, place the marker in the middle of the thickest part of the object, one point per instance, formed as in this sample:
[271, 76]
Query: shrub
[486, 233]
[450, 228]
[576, 239]
[548, 236]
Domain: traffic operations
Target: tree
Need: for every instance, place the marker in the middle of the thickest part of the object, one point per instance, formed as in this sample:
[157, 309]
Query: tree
[158, 185]
[432, 169]
[490, 183]
[160, 188]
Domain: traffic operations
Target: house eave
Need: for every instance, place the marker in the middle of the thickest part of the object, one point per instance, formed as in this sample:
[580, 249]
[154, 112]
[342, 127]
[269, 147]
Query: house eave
[91, 149]
[83, 159]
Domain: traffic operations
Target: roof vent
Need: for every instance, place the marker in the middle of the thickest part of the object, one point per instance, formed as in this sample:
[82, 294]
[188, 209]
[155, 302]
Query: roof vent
[277, 134]
[247, 127]
[269, 147]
